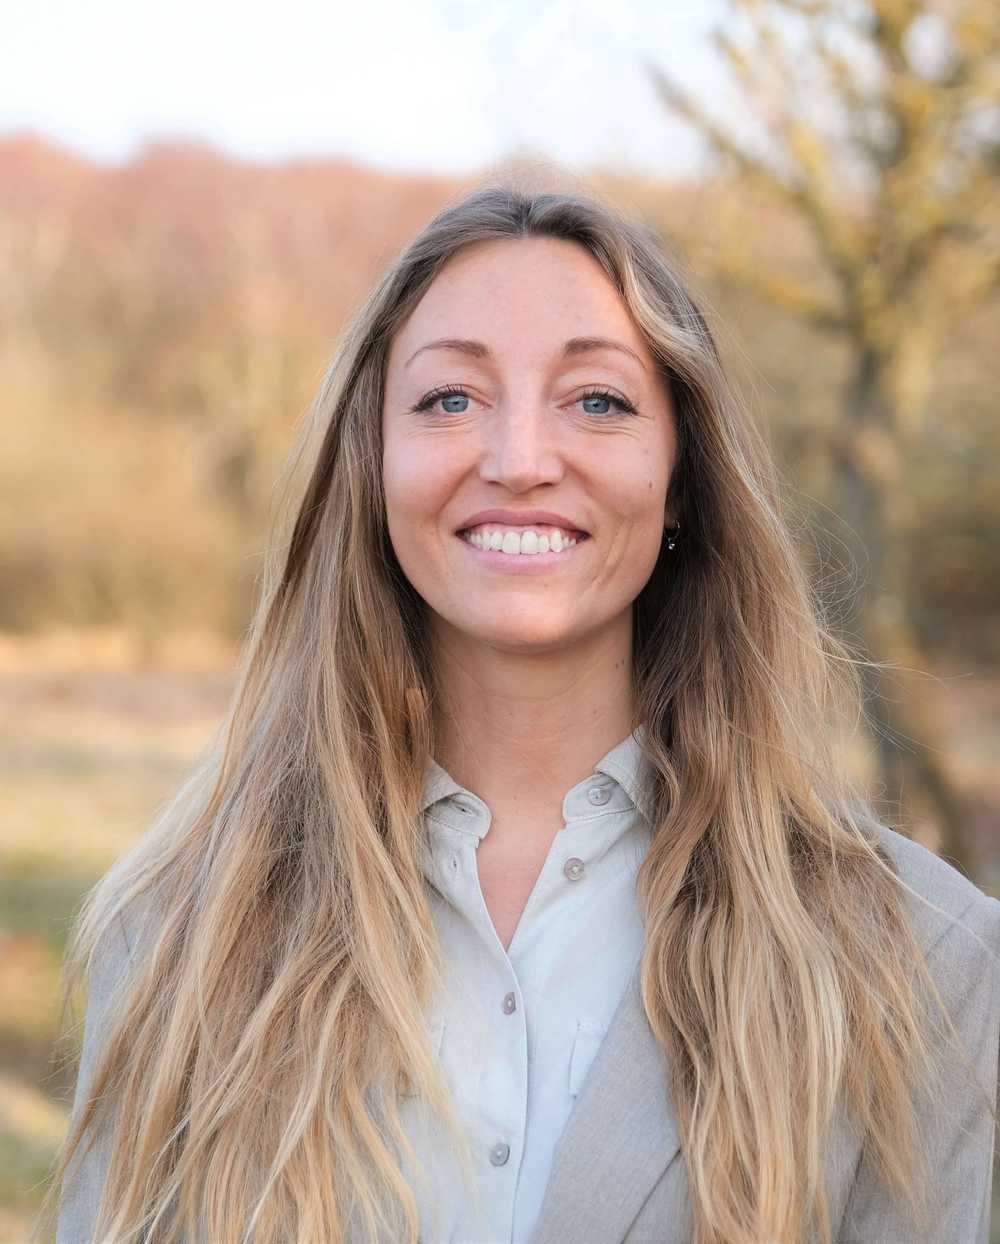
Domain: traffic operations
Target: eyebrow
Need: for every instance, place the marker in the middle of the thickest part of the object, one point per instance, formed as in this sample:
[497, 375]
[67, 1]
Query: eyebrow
[573, 347]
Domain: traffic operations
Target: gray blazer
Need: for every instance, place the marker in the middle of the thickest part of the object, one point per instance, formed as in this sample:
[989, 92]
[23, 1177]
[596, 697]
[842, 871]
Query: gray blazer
[618, 1176]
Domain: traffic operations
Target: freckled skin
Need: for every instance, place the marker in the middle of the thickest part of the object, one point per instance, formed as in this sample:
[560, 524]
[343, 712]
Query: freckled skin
[525, 438]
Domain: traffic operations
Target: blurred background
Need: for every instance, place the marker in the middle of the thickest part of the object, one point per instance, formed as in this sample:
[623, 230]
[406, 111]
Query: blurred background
[192, 200]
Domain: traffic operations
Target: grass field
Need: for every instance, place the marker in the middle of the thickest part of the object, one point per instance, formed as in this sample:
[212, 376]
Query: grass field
[89, 746]
[92, 739]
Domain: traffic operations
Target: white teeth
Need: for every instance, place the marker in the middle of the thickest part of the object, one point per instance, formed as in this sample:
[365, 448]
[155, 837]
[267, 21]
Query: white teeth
[524, 543]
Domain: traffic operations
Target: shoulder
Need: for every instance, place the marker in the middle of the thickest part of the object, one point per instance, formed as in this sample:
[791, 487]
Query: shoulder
[945, 908]
[958, 929]
[121, 945]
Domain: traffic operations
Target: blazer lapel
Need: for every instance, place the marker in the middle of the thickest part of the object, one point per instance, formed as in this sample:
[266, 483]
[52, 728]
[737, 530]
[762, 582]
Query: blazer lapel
[620, 1138]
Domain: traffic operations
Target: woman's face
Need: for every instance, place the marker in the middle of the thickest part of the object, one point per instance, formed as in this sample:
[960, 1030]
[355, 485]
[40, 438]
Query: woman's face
[516, 446]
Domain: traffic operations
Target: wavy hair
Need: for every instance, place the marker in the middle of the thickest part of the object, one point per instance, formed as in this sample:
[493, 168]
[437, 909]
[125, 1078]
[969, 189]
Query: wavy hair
[249, 1079]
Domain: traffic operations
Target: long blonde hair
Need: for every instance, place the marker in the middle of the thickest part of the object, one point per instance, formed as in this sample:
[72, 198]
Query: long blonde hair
[251, 1069]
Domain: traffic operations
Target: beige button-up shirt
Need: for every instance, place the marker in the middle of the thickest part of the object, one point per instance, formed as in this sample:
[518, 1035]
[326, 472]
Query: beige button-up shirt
[517, 1030]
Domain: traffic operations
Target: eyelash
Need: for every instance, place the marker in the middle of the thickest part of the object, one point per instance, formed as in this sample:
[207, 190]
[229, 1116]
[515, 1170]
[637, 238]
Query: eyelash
[449, 390]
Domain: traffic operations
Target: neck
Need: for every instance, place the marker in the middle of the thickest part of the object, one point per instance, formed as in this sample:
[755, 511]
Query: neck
[530, 722]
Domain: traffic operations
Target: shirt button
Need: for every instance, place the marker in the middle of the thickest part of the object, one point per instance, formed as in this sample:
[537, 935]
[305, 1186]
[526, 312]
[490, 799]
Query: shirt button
[599, 795]
[573, 868]
[499, 1154]
[509, 1003]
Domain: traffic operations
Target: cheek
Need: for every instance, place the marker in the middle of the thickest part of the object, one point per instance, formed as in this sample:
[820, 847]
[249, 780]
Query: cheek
[641, 495]
[412, 480]
[420, 477]
[637, 492]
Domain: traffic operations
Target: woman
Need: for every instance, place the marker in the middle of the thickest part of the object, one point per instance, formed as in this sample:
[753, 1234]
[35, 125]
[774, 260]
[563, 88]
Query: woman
[522, 896]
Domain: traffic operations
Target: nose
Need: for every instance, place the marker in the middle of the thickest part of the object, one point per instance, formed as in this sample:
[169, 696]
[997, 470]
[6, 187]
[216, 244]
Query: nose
[521, 450]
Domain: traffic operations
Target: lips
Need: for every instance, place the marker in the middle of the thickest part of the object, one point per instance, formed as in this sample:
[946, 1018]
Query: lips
[525, 552]
[523, 518]
[540, 529]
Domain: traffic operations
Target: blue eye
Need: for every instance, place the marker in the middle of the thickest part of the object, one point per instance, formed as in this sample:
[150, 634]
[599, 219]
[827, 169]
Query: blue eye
[601, 395]
[450, 393]
[454, 393]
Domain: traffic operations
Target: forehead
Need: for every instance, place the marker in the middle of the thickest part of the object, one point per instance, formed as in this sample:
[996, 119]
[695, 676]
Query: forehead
[515, 287]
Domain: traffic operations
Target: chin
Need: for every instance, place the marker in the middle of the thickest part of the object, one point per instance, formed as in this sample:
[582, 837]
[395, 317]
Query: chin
[527, 637]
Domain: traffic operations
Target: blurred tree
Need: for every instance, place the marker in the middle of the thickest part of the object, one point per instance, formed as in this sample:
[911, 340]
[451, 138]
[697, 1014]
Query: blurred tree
[878, 124]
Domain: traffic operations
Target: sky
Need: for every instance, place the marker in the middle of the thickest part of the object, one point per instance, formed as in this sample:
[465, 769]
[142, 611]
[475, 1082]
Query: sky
[445, 86]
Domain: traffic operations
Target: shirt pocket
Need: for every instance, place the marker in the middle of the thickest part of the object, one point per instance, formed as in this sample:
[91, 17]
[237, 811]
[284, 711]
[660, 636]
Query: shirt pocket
[586, 1043]
[435, 1035]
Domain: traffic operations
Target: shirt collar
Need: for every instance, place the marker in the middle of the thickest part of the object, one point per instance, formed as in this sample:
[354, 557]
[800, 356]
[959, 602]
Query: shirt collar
[627, 763]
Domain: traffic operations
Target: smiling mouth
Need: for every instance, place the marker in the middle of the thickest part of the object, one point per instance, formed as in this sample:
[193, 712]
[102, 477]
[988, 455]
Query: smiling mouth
[521, 541]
